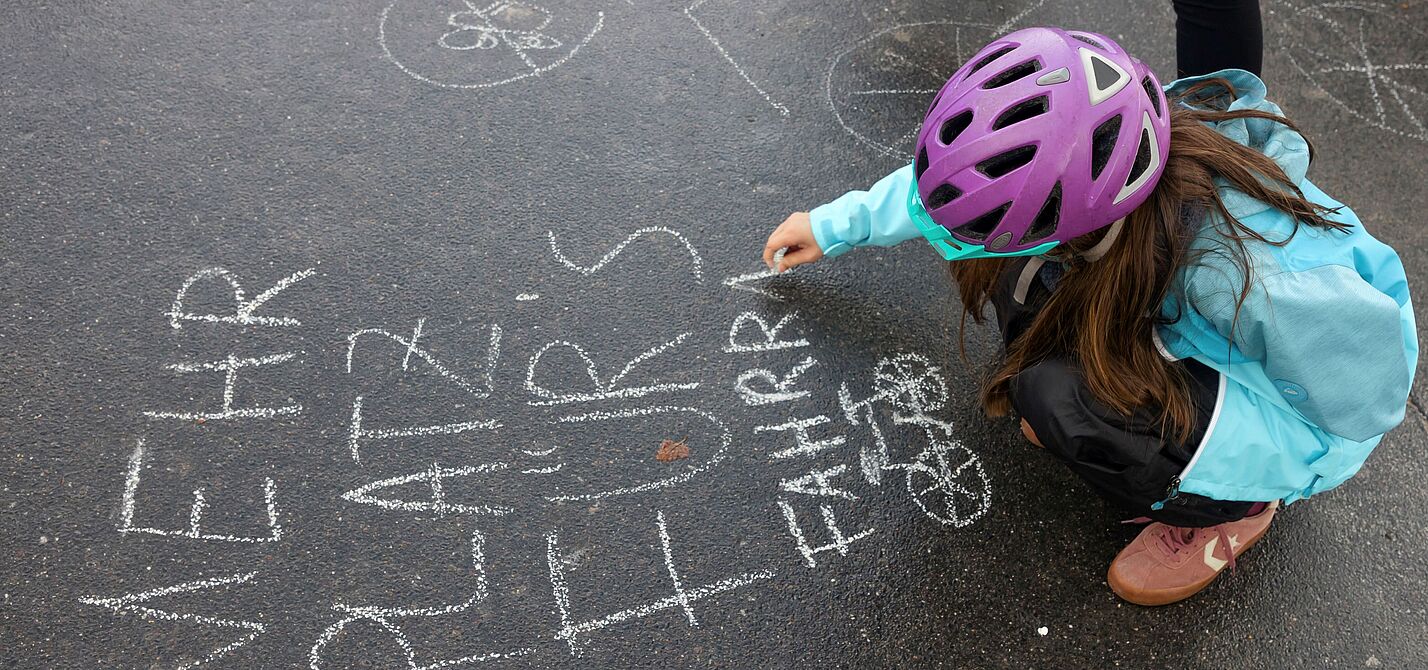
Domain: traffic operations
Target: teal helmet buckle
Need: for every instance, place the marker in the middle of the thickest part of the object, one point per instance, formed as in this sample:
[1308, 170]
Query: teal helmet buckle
[951, 248]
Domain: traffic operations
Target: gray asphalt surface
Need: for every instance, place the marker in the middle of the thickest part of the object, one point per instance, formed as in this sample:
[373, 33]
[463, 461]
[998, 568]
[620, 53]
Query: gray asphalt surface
[421, 207]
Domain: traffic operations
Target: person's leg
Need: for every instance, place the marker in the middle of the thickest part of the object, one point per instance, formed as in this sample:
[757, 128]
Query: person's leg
[1123, 459]
[1030, 434]
[1213, 35]
[1127, 462]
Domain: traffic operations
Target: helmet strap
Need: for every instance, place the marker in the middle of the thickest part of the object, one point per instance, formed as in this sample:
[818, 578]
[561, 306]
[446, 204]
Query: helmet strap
[1095, 253]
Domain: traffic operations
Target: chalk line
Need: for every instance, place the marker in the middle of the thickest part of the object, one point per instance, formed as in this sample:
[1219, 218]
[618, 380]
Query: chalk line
[741, 282]
[781, 387]
[806, 445]
[230, 367]
[243, 313]
[696, 267]
[726, 439]
[195, 517]
[357, 433]
[129, 604]
[433, 477]
[679, 593]
[682, 598]
[604, 389]
[689, 12]
[535, 72]
[493, 353]
[840, 541]
[771, 341]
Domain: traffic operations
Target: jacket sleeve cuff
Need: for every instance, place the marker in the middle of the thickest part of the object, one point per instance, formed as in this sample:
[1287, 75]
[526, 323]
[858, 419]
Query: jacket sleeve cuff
[822, 219]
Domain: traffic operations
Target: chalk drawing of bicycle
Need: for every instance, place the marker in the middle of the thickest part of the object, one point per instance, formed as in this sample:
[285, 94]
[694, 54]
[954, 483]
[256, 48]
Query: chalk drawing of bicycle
[945, 479]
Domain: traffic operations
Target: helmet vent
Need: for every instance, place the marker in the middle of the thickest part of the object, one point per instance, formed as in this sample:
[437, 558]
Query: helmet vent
[953, 127]
[921, 166]
[942, 195]
[1013, 74]
[1047, 219]
[989, 58]
[1103, 143]
[1088, 40]
[1150, 90]
[1004, 163]
[1142, 158]
[979, 228]
[1022, 111]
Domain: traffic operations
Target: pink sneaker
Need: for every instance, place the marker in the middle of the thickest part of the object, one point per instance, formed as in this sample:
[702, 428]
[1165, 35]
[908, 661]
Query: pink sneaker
[1166, 564]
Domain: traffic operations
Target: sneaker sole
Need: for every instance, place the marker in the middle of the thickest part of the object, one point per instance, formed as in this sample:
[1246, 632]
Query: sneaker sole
[1171, 596]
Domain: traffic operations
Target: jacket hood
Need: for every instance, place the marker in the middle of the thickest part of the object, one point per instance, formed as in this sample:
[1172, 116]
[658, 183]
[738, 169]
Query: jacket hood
[1280, 143]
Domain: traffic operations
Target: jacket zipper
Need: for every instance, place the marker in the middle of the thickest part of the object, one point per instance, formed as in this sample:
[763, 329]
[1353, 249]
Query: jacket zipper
[1173, 490]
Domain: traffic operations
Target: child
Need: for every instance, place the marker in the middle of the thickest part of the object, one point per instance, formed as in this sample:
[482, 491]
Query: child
[1190, 325]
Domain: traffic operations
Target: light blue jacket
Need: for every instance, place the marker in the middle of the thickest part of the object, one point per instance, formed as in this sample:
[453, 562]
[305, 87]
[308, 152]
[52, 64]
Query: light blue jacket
[1322, 354]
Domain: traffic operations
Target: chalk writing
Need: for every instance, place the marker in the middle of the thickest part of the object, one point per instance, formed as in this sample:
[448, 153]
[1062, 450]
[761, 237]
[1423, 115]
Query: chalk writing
[682, 598]
[746, 282]
[243, 309]
[195, 518]
[357, 433]
[782, 389]
[804, 443]
[230, 367]
[840, 542]
[602, 389]
[133, 603]
[769, 341]
[696, 264]
[382, 617]
[433, 477]
[725, 440]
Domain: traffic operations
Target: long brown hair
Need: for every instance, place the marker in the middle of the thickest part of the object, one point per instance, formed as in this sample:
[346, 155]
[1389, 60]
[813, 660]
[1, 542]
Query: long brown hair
[1102, 314]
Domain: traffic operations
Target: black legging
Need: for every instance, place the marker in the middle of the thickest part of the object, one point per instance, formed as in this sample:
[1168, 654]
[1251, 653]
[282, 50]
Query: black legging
[1212, 35]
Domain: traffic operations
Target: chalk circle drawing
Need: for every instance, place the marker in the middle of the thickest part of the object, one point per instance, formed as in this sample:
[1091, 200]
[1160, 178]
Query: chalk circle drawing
[879, 88]
[136, 604]
[471, 44]
[1334, 45]
[911, 383]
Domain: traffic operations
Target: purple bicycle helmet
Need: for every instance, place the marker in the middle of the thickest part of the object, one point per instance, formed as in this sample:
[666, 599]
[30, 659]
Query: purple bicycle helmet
[1043, 136]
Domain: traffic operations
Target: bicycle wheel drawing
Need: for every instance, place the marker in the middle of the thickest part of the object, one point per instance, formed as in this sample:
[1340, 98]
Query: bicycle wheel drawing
[947, 481]
[911, 383]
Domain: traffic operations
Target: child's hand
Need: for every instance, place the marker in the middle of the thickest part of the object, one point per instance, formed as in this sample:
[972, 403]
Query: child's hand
[796, 235]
